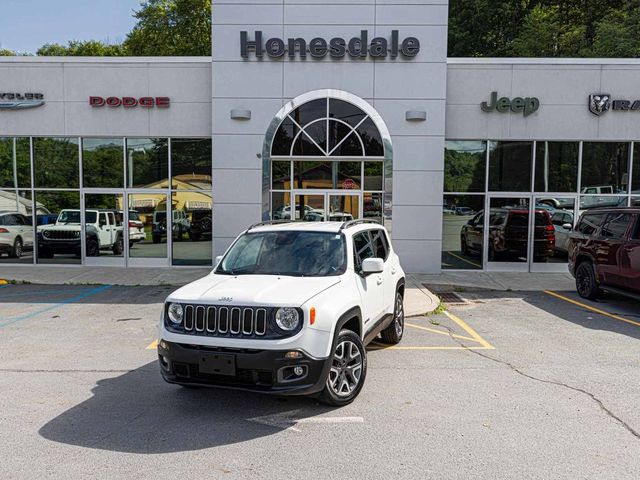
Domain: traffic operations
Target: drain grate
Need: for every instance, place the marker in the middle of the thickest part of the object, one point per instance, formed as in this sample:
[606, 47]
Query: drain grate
[451, 298]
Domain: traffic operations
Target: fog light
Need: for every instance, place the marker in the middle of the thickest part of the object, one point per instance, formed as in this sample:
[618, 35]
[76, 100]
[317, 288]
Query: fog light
[298, 371]
[292, 355]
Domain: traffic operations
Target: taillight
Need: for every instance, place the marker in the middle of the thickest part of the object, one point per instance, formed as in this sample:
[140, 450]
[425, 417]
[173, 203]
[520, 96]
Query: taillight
[549, 228]
[3, 230]
[131, 224]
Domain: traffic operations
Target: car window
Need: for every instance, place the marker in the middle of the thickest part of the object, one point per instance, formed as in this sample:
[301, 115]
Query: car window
[558, 219]
[496, 218]
[589, 223]
[6, 220]
[542, 219]
[636, 234]
[362, 249]
[615, 225]
[520, 219]
[103, 219]
[380, 244]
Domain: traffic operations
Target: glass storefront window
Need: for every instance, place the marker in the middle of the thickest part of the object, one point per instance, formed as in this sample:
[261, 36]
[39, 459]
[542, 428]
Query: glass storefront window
[510, 166]
[372, 206]
[16, 227]
[595, 201]
[313, 174]
[605, 168]
[349, 175]
[147, 163]
[56, 162]
[102, 162]
[147, 225]
[104, 225]
[58, 231]
[281, 206]
[15, 163]
[191, 163]
[556, 167]
[635, 177]
[192, 226]
[309, 208]
[462, 232]
[373, 176]
[280, 175]
[464, 166]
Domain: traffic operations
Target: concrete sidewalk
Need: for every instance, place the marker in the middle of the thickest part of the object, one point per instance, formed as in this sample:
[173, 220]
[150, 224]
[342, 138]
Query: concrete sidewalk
[504, 281]
[418, 299]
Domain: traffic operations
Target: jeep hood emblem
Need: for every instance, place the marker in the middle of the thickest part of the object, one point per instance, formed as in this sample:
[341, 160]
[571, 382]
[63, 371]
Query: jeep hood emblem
[225, 299]
[599, 103]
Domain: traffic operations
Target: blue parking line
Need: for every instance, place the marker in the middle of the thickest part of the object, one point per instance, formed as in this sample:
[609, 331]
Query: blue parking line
[75, 299]
[36, 294]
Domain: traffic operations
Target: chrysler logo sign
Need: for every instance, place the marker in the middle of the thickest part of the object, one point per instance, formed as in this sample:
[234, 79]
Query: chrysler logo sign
[337, 47]
[20, 101]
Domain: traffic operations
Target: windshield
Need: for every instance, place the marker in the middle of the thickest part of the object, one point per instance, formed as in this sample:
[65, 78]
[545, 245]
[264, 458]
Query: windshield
[298, 254]
[73, 216]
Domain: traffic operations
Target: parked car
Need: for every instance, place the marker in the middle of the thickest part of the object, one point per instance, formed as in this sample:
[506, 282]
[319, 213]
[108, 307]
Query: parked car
[16, 234]
[179, 225]
[464, 211]
[318, 216]
[284, 212]
[509, 234]
[201, 225]
[604, 252]
[449, 209]
[288, 310]
[103, 232]
[46, 218]
[136, 228]
[562, 221]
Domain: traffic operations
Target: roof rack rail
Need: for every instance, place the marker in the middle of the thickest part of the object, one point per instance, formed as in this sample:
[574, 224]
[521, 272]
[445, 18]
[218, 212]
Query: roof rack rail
[268, 222]
[353, 223]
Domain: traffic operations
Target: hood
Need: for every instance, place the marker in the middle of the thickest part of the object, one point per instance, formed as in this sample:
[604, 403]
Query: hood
[253, 290]
[72, 227]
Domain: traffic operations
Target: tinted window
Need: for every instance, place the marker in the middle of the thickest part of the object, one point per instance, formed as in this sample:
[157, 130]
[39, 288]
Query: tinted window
[102, 162]
[558, 219]
[542, 220]
[379, 244]
[556, 167]
[616, 225]
[605, 167]
[464, 166]
[362, 249]
[510, 166]
[519, 219]
[636, 235]
[497, 218]
[7, 220]
[589, 223]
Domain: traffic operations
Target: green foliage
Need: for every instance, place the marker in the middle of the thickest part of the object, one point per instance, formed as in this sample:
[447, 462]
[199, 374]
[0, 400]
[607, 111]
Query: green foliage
[171, 27]
[7, 53]
[89, 48]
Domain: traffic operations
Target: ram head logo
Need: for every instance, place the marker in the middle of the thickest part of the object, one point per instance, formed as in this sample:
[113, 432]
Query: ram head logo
[599, 103]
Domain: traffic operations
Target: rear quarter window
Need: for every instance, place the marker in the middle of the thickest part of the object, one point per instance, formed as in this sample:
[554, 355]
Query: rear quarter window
[590, 223]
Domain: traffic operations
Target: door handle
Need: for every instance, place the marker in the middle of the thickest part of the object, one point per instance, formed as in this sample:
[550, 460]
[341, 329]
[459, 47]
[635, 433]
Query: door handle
[393, 271]
[380, 280]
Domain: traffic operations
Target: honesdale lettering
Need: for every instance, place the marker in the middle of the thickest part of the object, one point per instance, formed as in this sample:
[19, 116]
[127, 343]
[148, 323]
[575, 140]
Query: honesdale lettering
[337, 47]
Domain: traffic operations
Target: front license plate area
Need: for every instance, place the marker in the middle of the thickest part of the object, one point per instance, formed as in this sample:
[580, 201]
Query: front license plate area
[218, 364]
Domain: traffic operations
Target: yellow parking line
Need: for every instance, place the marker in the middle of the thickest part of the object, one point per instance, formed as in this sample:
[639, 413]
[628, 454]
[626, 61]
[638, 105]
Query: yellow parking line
[395, 347]
[465, 260]
[441, 332]
[469, 330]
[593, 309]
[153, 345]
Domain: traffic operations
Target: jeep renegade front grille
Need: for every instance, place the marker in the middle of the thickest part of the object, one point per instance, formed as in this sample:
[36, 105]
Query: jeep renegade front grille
[61, 235]
[225, 321]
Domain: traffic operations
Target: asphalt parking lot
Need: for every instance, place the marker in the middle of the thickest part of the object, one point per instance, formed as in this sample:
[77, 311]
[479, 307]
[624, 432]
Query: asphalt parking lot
[501, 385]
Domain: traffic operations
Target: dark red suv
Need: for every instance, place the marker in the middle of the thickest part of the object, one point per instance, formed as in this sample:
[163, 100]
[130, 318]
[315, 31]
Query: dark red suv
[604, 252]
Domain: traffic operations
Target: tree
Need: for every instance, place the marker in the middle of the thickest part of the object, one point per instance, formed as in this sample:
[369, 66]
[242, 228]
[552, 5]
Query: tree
[7, 53]
[171, 28]
[88, 48]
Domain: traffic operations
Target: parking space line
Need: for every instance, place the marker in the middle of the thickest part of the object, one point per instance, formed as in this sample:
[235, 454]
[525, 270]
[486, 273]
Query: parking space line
[395, 347]
[465, 260]
[441, 332]
[67, 301]
[469, 330]
[593, 309]
[152, 346]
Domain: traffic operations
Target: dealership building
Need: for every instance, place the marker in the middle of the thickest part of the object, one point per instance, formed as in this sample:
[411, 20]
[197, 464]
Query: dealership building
[312, 113]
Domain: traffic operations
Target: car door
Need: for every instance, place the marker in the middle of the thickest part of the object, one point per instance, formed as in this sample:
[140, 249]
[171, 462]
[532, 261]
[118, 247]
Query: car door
[474, 232]
[612, 234]
[389, 280]
[104, 232]
[630, 258]
[370, 287]
[26, 230]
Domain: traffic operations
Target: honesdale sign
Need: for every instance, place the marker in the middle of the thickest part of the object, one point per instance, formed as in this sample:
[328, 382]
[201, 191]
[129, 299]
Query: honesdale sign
[337, 47]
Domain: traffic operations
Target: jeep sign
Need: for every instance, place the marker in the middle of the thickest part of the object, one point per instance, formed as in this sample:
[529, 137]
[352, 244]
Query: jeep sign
[357, 47]
[526, 106]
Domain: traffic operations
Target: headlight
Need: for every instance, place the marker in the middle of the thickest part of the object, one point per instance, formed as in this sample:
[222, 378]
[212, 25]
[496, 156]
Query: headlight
[45, 233]
[287, 318]
[175, 312]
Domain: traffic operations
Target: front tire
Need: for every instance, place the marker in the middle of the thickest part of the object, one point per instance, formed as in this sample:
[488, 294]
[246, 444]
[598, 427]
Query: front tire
[348, 370]
[393, 333]
[118, 247]
[93, 249]
[16, 251]
[586, 283]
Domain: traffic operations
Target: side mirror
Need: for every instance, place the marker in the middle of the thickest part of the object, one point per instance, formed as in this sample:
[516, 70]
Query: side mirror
[372, 265]
[567, 226]
[218, 260]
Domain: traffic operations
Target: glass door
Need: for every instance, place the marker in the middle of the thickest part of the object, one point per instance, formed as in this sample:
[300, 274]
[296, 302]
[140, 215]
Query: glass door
[553, 220]
[506, 234]
[104, 235]
[326, 206]
[150, 229]
[342, 207]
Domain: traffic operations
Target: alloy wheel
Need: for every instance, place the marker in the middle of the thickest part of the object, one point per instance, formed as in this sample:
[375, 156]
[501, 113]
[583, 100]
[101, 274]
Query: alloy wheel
[399, 315]
[17, 248]
[346, 369]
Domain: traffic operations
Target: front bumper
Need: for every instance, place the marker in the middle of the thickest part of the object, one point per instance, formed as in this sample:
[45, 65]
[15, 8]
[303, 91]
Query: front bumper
[60, 246]
[266, 371]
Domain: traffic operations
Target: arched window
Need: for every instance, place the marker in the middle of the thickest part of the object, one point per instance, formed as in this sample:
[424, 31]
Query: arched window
[327, 127]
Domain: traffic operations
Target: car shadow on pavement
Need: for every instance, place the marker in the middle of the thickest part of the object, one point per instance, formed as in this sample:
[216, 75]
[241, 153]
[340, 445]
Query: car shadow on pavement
[138, 412]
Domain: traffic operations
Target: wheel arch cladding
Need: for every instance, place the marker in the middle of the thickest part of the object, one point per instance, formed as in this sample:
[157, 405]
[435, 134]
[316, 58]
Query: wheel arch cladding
[351, 320]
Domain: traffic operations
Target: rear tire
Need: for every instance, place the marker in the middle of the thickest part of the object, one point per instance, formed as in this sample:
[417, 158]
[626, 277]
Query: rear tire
[348, 370]
[463, 246]
[93, 249]
[586, 283]
[393, 333]
[118, 247]
[16, 251]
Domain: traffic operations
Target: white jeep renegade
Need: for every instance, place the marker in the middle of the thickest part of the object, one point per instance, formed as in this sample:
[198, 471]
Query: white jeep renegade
[288, 309]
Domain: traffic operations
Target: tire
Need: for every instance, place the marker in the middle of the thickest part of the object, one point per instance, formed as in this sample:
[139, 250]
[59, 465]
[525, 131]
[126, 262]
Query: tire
[118, 247]
[156, 238]
[586, 283]
[464, 248]
[393, 333]
[93, 249]
[345, 382]
[16, 251]
[45, 253]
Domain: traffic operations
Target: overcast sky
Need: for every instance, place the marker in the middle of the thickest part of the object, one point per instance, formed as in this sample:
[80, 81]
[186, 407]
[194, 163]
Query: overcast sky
[26, 25]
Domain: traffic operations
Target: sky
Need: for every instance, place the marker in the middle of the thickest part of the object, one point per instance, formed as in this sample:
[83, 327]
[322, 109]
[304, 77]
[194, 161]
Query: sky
[26, 25]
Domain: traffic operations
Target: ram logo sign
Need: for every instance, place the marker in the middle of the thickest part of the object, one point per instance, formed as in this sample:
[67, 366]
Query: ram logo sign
[599, 103]
[20, 101]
